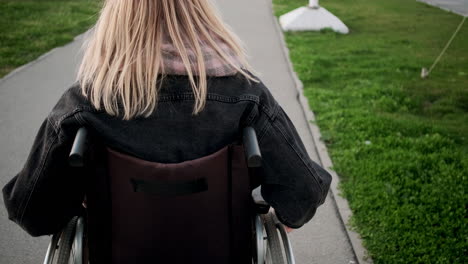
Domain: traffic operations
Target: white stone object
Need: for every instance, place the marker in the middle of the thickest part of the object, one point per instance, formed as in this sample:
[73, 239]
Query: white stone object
[312, 18]
[314, 3]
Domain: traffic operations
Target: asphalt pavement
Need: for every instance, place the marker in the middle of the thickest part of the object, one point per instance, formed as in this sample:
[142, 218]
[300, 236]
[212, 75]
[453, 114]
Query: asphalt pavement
[28, 95]
[456, 6]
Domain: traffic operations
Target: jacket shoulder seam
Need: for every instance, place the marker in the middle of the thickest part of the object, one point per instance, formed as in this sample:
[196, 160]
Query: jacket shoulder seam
[57, 124]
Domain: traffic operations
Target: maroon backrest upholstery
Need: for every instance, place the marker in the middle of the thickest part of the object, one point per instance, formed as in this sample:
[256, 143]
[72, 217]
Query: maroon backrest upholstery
[196, 211]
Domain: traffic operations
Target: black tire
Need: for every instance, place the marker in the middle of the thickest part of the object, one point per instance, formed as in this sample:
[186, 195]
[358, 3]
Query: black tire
[66, 242]
[274, 249]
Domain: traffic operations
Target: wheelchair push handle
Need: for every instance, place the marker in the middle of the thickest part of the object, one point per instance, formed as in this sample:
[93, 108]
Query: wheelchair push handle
[76, 158]
[251, 148]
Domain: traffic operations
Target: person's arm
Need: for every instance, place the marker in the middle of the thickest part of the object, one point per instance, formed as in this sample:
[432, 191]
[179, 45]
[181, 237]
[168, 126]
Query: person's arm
[292, 184]
[46, 193]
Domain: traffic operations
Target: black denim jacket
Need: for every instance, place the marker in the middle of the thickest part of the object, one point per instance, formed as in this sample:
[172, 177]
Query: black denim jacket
[47, 192]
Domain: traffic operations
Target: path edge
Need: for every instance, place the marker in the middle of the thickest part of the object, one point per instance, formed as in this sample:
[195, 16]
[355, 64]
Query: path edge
[433, 4]
[40, 58]
[341, 203]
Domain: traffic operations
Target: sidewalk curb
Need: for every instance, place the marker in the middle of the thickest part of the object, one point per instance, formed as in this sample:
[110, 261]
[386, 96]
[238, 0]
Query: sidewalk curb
[344, 211]
[40, 58]
[435, 4]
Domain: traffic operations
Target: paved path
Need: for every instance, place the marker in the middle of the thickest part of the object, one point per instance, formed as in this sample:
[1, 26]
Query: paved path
[456, 6]
[27, 96]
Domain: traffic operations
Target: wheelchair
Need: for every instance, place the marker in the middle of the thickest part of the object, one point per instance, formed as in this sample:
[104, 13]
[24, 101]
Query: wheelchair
[257, 237]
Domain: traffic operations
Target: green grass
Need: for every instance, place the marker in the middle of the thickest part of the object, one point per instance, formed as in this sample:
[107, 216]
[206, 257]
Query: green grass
[399, 143]
[29, 28]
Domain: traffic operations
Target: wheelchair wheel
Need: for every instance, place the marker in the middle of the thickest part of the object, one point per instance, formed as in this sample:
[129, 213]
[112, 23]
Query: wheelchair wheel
[66, 242]
[67, 246]
[60, 246]
[274, 249]
[259, 241]
[77, 251]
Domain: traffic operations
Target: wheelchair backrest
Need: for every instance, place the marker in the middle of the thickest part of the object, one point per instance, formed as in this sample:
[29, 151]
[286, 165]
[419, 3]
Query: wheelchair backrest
[197, 211]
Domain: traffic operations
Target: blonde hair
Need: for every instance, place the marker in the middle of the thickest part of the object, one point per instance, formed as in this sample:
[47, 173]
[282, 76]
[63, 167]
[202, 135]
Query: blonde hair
[123, 60]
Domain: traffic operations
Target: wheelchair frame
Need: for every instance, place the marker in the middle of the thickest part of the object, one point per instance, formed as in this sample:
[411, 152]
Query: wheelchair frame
[67, 246]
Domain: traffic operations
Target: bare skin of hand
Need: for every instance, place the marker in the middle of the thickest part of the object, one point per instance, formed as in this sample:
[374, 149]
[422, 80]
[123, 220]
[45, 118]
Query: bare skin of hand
[287, 228]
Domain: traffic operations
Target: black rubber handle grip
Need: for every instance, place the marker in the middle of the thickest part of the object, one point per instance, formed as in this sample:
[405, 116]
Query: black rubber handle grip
[76, 158]
[251, 148]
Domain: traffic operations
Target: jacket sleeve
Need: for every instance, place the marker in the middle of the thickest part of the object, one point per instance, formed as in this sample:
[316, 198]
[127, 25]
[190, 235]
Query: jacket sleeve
[292, 183]
[46, 193]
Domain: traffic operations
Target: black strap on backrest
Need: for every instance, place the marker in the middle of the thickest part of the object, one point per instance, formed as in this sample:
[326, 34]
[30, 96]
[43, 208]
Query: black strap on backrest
[169, 189]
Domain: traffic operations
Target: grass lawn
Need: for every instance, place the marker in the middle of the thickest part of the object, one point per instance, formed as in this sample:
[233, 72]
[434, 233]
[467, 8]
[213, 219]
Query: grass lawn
[29, 28]
[398, 142]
